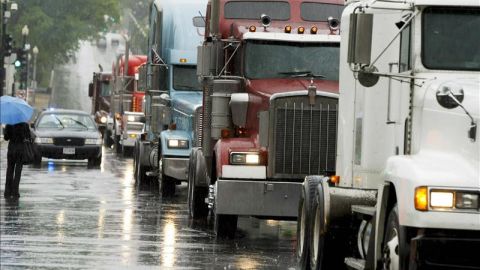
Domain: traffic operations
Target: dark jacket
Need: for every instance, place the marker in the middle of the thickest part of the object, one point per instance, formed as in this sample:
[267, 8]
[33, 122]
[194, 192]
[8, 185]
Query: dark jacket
[17, 133]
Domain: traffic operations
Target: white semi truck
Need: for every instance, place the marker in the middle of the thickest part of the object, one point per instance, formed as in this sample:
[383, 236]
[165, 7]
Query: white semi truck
[406, 190]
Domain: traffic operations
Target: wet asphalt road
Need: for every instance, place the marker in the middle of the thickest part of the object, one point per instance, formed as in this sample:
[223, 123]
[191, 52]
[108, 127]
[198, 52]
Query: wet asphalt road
[71, 217]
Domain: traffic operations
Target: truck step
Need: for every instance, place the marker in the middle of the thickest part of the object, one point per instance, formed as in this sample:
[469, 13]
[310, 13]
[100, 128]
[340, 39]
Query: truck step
[152, 174]
[364, 210]
[354, 263]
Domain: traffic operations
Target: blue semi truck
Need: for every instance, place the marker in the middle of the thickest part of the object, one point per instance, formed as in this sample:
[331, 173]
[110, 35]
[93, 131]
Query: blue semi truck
[173, 100]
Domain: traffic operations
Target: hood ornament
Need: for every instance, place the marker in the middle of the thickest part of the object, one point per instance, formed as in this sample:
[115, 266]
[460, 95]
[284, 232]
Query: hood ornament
[312, 92]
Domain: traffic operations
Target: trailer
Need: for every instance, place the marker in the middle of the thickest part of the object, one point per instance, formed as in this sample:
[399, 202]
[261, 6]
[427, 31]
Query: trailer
[405, 193]
[264, 98]
[173, 99]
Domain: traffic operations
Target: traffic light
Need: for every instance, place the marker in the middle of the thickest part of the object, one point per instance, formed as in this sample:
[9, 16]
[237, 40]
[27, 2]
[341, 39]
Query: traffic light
[8, 45]
[21, 61]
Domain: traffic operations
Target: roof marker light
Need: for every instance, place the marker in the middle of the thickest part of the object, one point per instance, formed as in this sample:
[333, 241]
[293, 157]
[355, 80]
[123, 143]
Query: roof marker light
[252, 28]
[288, 29]
[313, 30]
[301, 30]
[183, 60]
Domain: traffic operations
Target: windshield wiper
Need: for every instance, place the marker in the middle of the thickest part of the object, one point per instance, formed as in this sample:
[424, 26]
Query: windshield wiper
[78, 122]
[59, 121]
[302, 74]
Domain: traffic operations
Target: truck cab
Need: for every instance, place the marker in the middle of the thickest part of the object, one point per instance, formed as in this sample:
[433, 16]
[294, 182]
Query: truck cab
[264, 97]
[174, 95]
[406, 185]
[99, 91]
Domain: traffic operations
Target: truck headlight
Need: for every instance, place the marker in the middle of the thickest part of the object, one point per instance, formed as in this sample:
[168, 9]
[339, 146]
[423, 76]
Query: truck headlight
[39, 140]
[244, 158]
[441, 199]
[178, 144]
[93, 141]
[130, 118]
[103, 119]
[466, 200]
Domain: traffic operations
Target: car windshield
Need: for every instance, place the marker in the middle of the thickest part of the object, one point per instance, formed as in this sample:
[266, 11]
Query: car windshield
[66, 121]
[185, 78]
[450, 38]
[269, 59]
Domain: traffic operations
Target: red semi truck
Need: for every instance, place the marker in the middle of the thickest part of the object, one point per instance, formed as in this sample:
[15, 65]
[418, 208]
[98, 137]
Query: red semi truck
[99, 90]
[269, 71]
[128, 117]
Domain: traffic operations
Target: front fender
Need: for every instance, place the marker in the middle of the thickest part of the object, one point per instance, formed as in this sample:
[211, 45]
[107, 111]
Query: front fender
[175, 134]
[431, 169]
[224, 147]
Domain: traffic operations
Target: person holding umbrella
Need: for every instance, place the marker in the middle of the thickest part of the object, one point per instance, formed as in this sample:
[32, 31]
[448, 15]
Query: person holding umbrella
[15, 113]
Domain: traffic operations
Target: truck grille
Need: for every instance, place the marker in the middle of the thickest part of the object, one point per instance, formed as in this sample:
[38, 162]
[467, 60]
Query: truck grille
[63, 141]
[198, 127]
[304, 136]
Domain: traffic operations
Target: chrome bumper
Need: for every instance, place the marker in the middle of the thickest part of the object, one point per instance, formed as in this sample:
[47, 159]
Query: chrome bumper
[175, 167]
[257, 198]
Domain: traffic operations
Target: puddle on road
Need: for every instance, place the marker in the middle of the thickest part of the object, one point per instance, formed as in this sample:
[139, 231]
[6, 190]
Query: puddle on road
[73, 217]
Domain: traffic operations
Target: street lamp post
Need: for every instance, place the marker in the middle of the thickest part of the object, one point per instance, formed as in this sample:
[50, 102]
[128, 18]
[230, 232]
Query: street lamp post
[6, 13]
[25, 47]
[34, 75]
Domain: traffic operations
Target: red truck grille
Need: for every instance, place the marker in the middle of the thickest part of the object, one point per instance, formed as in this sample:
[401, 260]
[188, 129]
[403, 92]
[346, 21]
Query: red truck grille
[304, 136]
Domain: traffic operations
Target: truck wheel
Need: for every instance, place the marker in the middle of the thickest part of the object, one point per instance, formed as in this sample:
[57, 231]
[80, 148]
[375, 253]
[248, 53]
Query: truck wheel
[305, 213]
[391, 242]
[197, 207]
[167, 186]
[327, 246]
[225, 226]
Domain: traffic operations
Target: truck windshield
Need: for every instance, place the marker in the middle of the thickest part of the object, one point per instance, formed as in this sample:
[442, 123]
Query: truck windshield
[106, 88]
[451, 38]
[273, 59]
[185, 78]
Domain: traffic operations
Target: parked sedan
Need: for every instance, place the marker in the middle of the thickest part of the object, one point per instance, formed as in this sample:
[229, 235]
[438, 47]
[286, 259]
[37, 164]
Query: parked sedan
[67, 134]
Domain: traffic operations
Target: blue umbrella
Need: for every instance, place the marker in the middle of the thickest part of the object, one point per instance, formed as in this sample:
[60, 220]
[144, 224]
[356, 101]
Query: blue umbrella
[14, 110]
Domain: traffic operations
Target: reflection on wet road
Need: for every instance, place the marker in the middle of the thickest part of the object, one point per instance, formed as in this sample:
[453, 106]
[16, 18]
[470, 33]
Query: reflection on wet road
[71, 217]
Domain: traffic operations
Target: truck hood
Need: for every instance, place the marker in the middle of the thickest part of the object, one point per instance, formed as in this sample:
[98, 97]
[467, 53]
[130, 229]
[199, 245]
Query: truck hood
[266, 88]
[445, 131]
[187, 102]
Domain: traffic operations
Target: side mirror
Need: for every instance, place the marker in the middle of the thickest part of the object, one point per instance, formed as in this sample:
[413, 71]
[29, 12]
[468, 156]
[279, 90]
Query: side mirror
[360, 38]
[90, 89]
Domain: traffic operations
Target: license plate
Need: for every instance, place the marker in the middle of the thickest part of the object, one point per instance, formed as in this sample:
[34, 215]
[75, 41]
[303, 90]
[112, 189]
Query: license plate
[69, 151]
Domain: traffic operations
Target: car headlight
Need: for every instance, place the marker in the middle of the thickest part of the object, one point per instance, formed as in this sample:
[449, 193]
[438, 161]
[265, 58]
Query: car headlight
[133, 136]
[245, 158]
[179, 144]
[93, 141]
[103, 119]
[43, 140]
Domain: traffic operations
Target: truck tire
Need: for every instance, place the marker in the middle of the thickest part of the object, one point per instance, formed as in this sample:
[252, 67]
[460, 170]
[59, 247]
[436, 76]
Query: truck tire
[391, 258]
[225, 226]
[197, 207]
[305, 213]
[167, 186]
[327, 246]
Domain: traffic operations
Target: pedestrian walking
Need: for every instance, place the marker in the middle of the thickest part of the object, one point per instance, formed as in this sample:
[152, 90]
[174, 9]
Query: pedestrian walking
[16, 135]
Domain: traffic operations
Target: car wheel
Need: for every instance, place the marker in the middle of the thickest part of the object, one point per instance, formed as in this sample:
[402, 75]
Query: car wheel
[94, 162]
[37, 161]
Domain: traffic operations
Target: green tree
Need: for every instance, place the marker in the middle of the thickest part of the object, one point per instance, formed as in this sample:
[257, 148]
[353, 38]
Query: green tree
[57, 26]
